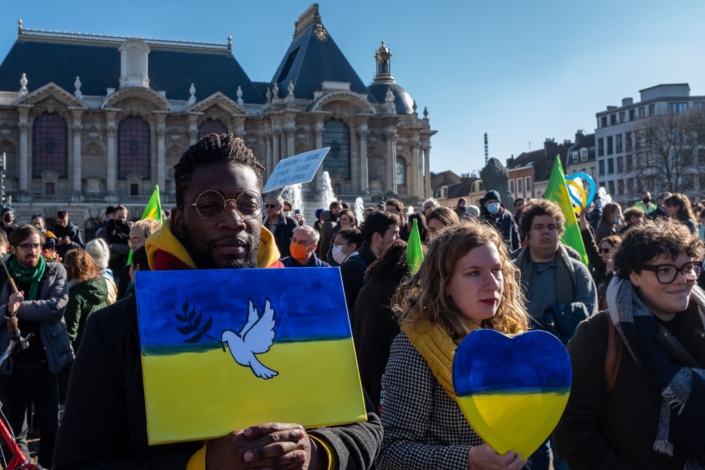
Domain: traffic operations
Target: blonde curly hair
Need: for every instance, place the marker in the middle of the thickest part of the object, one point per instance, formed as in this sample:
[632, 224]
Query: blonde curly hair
[422, 297]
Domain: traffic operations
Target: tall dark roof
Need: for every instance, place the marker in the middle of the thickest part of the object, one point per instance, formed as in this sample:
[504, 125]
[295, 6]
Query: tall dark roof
[314, 57]
[171, 69]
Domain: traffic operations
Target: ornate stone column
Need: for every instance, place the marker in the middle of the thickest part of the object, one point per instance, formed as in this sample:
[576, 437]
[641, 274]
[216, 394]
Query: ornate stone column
[354, 156]
[111, 174]
[77, 128]
[24, 152]
[290, 140]
[161, 152]
[318, 131]
[413, 182]
[276, 134]
[192, 129]
[390, 185]
[268, 153]
[364, 179]
[428, 191]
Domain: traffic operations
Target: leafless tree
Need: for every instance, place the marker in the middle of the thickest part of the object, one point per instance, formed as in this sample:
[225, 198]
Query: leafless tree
[670, 152]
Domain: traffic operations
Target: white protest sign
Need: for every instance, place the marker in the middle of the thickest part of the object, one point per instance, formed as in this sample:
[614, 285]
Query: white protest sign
[300, 168]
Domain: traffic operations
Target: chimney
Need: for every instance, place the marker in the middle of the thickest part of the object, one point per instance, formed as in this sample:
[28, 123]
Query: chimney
[579, 136]
[627, 101]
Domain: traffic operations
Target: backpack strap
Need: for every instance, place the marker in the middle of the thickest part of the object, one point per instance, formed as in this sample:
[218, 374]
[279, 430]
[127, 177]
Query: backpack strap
[614, 355]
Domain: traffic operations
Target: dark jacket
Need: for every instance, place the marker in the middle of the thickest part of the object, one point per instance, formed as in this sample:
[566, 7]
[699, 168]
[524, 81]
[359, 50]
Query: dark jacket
[616, 430]
[104, 424]
[353, 273]
[282, 233]
[48, 310]
[374, 328]
[84, 299]
[313, 262]
[604, 231]
[504, 222]
[327, 237]
[659, 213]
[8, 228]
[71, 231]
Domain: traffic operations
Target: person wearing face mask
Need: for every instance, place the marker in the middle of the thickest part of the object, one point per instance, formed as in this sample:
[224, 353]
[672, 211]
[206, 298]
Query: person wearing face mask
[493, 213]
[645, 204]
[461, 207]
[8, 220]
[610, 222]
[302, 248]
[117, 235]
[347, 241]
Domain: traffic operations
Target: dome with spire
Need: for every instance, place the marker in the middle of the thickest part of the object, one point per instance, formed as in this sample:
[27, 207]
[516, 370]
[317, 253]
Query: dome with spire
[384, 81]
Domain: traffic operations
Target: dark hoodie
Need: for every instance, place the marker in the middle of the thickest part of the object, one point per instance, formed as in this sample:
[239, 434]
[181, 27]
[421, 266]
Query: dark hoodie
[84, 299]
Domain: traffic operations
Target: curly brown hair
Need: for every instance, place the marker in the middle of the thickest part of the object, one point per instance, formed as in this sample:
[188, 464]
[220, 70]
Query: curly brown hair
[537, 208]
[647, 242]
[422, 297]
[80, 266]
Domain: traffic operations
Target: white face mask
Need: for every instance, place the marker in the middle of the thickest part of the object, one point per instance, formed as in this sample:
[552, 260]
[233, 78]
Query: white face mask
[287, 213]
[338, 254]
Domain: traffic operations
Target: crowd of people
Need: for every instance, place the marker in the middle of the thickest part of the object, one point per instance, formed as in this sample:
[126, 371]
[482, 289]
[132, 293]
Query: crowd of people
[632, 320]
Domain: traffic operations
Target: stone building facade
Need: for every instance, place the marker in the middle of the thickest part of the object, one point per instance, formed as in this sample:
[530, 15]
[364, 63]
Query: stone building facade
[91, 120]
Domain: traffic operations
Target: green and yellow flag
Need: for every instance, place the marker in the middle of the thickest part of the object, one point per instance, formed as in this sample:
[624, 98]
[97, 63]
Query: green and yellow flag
[154, 207]
[414, 251]
[557, 191]
[152, 211]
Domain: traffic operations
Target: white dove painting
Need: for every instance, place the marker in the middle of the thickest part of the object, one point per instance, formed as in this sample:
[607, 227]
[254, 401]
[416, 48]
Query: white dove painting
[256, 337]
[221, 350]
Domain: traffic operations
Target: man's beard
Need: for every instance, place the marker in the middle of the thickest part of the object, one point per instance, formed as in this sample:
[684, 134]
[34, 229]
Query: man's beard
[201, 252]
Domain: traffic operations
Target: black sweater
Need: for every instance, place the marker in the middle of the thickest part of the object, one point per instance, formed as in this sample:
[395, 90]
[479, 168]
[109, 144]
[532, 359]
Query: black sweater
[104, 424]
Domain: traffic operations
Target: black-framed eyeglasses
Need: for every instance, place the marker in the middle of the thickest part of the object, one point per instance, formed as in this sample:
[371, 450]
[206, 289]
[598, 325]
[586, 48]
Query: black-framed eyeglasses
[667, 273]
[30, 246]
[271, 206]
[604, 251]
[211, 205]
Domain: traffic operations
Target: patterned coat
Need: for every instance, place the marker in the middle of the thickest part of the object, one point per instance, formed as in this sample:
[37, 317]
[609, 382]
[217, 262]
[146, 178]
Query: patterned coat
[423, 427]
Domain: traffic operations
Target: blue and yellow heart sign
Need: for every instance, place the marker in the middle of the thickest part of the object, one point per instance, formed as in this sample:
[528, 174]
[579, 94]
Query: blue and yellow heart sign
[512, 390]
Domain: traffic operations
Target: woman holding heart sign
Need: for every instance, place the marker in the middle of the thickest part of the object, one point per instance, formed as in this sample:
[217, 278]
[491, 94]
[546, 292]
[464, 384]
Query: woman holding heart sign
[467, 282]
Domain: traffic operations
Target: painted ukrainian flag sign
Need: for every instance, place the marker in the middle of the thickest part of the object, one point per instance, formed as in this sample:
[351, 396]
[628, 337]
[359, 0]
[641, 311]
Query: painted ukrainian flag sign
[512, 390]
[226, 349]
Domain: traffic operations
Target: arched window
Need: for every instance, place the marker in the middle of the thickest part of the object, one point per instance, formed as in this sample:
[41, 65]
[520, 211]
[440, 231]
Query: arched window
[211, 126]
[336, 135]
[50, 145]
[133, 147]
[401, 171]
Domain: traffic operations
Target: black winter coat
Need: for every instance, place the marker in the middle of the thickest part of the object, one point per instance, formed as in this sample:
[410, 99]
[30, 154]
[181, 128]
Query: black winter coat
[104, 424]
[504, 222]
[282, 234]
[374, 328]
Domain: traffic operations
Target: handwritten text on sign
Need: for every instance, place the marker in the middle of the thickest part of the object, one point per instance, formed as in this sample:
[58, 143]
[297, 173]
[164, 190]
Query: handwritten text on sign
[300, 168]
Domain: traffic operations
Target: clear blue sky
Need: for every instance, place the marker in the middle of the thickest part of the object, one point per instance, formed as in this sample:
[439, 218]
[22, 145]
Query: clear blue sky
[520, 70]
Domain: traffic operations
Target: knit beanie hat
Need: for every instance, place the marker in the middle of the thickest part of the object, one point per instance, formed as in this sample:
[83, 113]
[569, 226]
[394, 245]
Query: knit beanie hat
[100, 252]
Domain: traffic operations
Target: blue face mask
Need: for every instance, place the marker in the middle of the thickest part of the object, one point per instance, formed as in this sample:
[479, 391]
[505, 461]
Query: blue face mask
[615, 221]
[493, 208]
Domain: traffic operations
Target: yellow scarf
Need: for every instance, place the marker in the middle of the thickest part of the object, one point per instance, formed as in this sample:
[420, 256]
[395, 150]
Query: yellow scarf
[437, 348]
[165, 240]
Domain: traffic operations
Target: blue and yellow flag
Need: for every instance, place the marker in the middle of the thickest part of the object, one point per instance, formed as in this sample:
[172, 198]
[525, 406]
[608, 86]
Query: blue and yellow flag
[557, 191]
[229, 348]
[414, 249]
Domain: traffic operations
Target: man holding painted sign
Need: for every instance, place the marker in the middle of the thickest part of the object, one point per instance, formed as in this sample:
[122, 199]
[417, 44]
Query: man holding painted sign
[217, 224]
